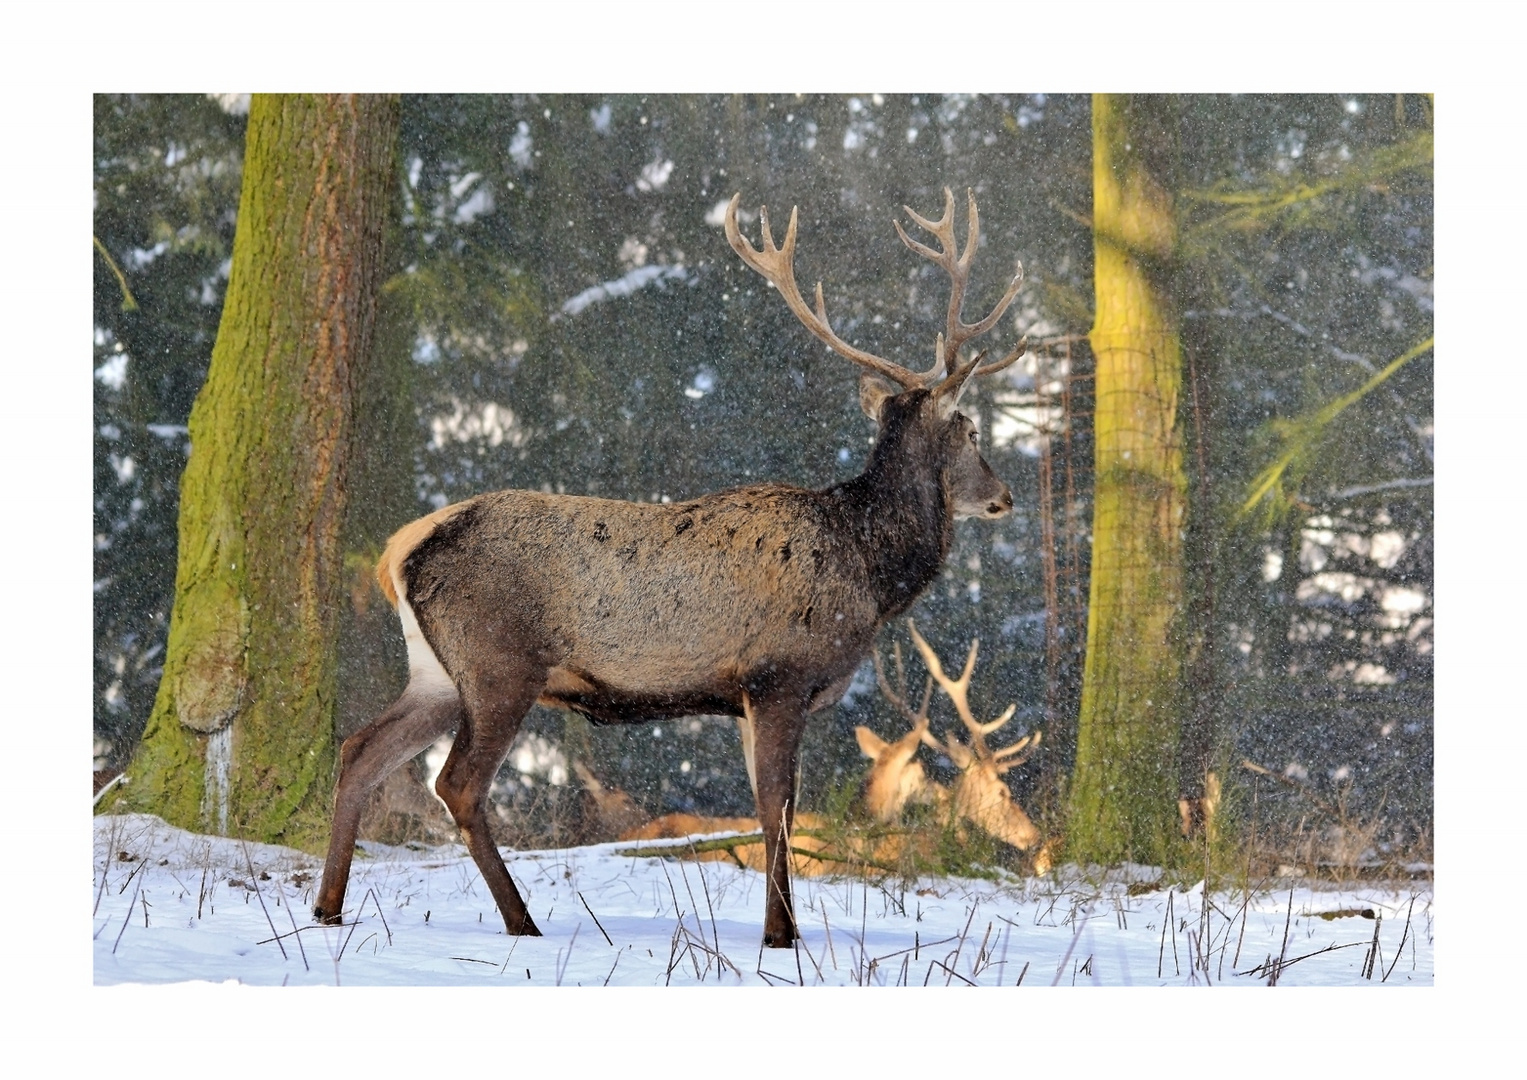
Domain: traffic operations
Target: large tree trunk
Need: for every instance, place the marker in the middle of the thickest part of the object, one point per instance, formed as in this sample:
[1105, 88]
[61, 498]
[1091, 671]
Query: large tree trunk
[1123, 802]
[241, 738]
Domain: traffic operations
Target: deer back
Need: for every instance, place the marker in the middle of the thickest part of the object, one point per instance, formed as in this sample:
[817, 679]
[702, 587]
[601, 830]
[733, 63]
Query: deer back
[641, 611]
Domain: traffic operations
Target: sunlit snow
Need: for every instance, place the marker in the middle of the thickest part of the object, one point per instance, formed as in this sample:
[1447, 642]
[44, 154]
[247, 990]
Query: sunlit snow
[113, 373]
[172, 906]
[624, 285]
[487, 421]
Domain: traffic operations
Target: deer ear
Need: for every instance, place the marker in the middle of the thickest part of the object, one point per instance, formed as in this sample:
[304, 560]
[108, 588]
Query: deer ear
[869, 742]
[873, 393]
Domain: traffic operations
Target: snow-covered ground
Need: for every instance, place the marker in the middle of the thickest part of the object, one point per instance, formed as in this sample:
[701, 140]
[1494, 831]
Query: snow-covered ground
[172, 907]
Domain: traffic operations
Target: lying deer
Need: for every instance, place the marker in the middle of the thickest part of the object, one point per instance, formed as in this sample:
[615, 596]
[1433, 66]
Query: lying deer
[980, 795]
[756, 602]
[895, 780]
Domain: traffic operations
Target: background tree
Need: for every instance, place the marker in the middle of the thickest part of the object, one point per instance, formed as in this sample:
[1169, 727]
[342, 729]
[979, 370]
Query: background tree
[1306, 231]
[167, 174]
[242, 731]
[1268, 214]
[1123, 796]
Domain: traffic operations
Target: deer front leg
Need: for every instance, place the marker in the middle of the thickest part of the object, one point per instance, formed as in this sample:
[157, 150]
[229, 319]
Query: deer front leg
[409, 725]
[777, 726]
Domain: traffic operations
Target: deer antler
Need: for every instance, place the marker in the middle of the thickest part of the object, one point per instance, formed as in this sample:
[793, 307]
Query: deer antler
[958, 691]
[981, 795]
[957, 265]
[777, 266]
[898, 697]
[896, 777]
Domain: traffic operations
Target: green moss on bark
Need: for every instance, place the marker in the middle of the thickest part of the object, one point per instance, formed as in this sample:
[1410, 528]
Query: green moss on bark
[258, 580]
[1123, 795]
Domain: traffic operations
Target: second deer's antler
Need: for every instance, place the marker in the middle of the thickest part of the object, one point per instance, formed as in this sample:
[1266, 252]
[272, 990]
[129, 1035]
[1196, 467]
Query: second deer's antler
[981, 795]
[957, 690]
[896, 778]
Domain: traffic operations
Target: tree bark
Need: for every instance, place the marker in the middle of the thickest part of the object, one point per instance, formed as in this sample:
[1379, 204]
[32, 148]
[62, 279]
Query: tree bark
[241, 738]
[1123, 802]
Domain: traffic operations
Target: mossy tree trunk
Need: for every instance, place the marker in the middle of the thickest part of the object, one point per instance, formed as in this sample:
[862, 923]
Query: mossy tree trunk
[1123, 799]
[241, 737]
[373, 663]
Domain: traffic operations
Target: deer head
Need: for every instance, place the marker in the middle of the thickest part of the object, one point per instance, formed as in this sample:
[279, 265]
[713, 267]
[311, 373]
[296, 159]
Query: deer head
[981, 796]
[896, 778]
[975, 490]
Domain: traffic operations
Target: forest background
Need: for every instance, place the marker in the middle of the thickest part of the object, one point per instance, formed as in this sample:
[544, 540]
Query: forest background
[557, 312]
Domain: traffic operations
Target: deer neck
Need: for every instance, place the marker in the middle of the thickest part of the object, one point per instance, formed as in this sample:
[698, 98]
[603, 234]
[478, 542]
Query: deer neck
[899, 510]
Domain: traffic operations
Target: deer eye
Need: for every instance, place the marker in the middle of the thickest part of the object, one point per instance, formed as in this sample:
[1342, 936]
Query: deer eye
[975, 439]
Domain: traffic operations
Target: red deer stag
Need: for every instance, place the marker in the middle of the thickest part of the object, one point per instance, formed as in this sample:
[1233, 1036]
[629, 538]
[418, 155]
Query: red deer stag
[980, 795]
[756, 602]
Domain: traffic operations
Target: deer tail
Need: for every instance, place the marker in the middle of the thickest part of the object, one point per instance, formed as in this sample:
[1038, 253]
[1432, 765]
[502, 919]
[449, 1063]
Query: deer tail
[401, 544]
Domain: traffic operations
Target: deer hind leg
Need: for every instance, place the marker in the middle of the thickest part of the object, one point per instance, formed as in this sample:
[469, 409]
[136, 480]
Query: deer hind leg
[495, 705]
[409, 725]
[777, 725]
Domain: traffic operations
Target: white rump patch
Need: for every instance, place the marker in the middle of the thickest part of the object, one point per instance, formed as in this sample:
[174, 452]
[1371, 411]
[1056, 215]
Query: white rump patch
[425, 672]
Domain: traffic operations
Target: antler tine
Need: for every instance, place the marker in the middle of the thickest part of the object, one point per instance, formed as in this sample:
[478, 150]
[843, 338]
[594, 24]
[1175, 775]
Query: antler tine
[992, 725]
[901, 680]
[885, 684]
[930, 658]
[968, 331]
[1020, 745]
[961, 373]
[1028, 743]
[957, 691]
[927, 696]
[957, 264]
[955, 688]
[966, 372]
[1017, 353]
[942, 228]
[970, 661]
[776, 265]
[938, 370]
[977, 329]
[972, 232]
[919, 718]
[947, 259]
[951, 748]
